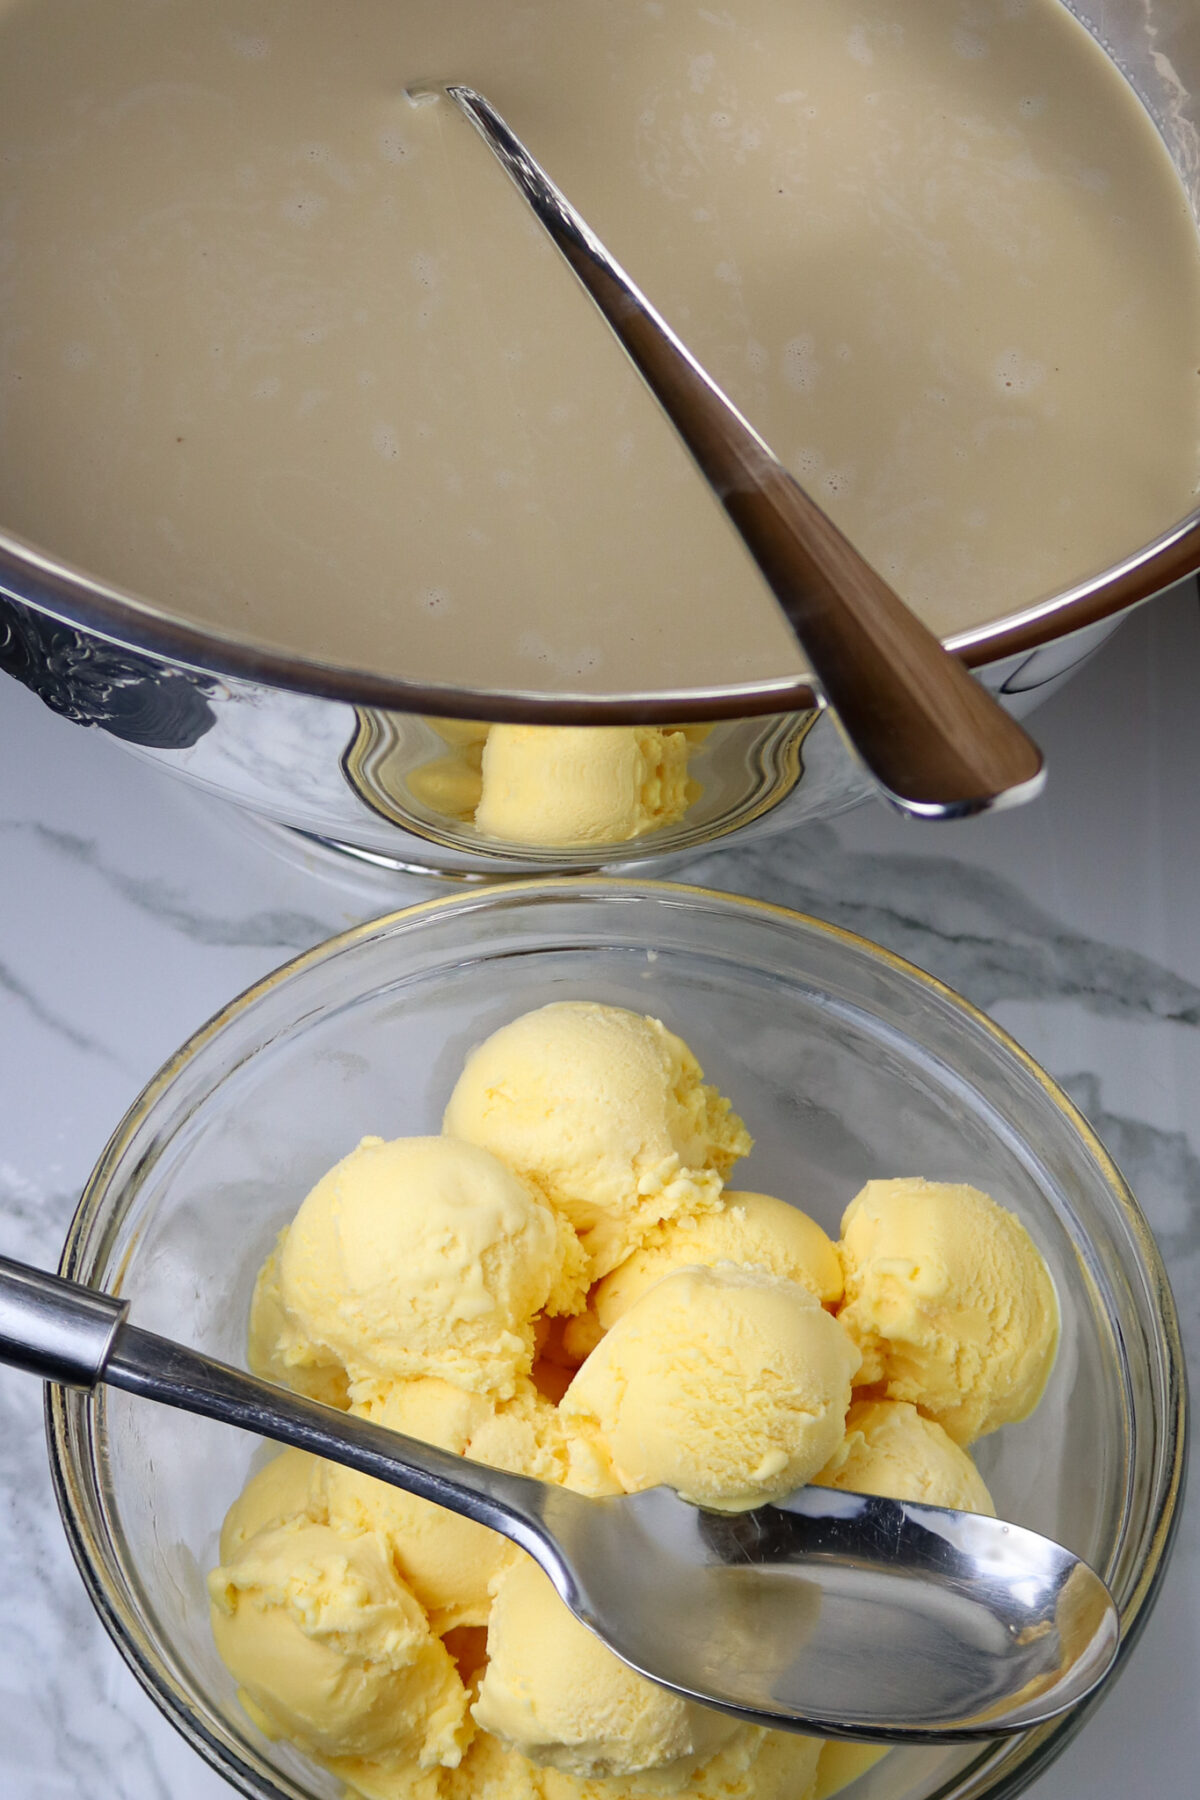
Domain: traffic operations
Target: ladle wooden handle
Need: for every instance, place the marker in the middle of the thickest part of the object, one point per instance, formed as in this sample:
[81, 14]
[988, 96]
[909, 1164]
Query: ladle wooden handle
[936, 742]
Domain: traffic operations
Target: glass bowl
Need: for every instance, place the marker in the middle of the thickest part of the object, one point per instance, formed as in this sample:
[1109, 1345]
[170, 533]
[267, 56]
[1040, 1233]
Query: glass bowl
[846, 1063]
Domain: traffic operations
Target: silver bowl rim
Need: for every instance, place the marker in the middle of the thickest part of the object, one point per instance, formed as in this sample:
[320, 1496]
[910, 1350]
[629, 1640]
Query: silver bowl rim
[33, 577]
[1004, 1767]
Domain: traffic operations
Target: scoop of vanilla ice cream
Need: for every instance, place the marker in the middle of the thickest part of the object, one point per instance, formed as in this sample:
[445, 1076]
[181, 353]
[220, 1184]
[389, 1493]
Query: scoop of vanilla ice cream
[449, 786]
[524, 1435]
[950, 1303]
[840, 1763]
[889, 1448]
[449, 1562]
[752, 1764]
[553, 1691]
[729, 1385]
[333, 1651]
[785, 1767]
[424, 1256]
[754, 1230]
[279, 1351]
[607, 1114]
[494, 1771]
[289, 1486]
[586, 784]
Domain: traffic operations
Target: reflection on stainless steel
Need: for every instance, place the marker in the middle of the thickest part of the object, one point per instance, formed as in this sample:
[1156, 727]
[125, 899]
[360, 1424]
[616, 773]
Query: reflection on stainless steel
[271, 732]
[436, 779]
[343, 774]
[48, 1328]
[935, 742]
[838, 1613]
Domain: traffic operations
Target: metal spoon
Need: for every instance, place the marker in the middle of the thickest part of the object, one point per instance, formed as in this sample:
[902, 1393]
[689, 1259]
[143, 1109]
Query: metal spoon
[935, 741]
[835, 1613]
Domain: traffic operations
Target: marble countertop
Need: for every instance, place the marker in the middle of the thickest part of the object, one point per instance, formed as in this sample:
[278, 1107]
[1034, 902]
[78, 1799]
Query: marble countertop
[131, 909]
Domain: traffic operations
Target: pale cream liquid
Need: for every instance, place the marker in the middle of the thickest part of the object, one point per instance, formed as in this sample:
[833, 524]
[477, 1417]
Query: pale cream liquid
[283, 354]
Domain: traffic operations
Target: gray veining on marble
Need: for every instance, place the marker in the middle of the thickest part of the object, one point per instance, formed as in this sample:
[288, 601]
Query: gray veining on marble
[982, 934]
[132, 908]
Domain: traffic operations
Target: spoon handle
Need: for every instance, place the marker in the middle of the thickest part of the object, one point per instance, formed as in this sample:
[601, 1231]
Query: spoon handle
[935, 741]
[71, 1334]
[55, 1328]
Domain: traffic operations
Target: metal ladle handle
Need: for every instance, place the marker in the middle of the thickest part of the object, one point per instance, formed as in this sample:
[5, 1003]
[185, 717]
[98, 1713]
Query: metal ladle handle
[935, 741]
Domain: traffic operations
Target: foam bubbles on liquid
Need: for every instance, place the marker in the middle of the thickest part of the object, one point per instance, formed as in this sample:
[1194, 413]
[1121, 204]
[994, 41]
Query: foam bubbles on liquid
[385, 442]
[969, 45]
[800, 366]
[424, 268]
[249, 46]
[304, 209]
[394, 147]
[533, 647]
[1023, 168]
[700, 71]
[836, 484]
[1015, 373]
[857, 45]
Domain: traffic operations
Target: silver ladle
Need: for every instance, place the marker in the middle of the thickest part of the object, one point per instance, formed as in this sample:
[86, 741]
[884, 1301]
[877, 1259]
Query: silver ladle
[935, 741]
[841, 1614]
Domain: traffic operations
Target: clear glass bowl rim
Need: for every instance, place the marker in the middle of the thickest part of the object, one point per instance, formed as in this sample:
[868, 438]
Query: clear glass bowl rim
[1006, 1766]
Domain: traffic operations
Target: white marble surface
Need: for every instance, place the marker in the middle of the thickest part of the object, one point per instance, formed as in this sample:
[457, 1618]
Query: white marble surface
[130, 909]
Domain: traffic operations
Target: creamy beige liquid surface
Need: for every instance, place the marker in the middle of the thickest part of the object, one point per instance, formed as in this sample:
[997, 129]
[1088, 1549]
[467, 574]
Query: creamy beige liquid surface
[282, 353]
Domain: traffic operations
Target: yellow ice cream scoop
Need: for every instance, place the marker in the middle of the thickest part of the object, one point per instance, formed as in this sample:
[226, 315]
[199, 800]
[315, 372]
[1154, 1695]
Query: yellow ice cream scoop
[448, 1561]
[753, 1764]
[424, 1256]
[576, 785]
[607, 1114]
[553, 1691]
[950, 1303]
[332, 1650]
[279, 1350]
[755, 1230]
[729, 1385]
[890, 1448]
[289, 1486]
